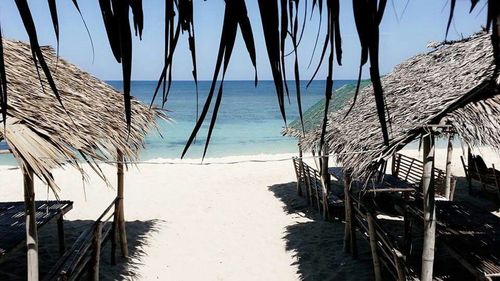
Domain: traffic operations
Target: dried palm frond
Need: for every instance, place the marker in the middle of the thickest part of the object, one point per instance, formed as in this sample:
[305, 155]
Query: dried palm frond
[44, 135]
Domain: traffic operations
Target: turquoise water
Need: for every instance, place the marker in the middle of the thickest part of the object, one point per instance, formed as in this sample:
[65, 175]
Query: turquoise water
[249, 121]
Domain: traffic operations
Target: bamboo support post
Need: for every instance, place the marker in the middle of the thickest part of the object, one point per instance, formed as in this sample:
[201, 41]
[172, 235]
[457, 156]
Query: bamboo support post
[325, 176]
[120, 215]
[350, 229]
[301, 173]
[407, 231]
[31, 230]
[96, 254]
[347, 232]
[496, 180]
[114, 237]
[469, 178]
[400, 268]
[325, 182]
[60, 234]
[373, 246]
[429, 209]
[447, 191]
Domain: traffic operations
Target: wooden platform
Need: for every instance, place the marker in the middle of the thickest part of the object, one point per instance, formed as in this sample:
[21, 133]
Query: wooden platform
[470, 234]
[12, 221]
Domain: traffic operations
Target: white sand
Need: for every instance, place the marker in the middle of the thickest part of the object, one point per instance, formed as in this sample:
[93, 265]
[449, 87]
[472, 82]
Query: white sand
[214, 222]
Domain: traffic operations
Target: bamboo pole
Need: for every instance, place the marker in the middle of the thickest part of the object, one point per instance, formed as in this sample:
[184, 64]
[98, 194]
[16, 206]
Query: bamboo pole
[96, 254]
[373, 246]
[121, 216]
[31, 231]
[429, 209]
[325, 176]
[350, 229]
[301, 172]
[347, 199]
[325, 182]
[60, 234]
[447, 191]
[469, 162]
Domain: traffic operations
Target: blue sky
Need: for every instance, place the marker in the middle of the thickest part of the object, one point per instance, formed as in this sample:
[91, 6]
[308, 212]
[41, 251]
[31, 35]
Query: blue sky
[401, 37]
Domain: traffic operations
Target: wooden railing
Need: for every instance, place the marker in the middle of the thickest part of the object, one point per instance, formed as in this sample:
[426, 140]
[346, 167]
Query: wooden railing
[86, 250]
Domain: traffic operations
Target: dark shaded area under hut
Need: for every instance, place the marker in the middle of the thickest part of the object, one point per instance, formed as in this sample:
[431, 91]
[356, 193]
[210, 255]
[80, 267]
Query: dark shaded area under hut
[138, 233]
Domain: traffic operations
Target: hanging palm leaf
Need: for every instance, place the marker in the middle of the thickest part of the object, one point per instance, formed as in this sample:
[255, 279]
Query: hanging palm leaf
[187, 23]
[55, 20]
[333, 41]
[25, 13]
[269, 16]
[368, 15]
[235, 15]
[117, 23]
[279, 23]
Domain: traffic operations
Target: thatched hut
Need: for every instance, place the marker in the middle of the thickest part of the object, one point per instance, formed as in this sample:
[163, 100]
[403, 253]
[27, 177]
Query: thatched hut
[451, 89]
[454, 84]
[42, 134]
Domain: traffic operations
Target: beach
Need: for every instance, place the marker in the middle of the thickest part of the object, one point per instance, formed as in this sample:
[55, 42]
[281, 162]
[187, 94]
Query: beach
[233, 218]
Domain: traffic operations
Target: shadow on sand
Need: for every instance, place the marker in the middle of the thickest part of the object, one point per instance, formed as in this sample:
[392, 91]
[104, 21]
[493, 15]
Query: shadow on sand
[318, 244]
[13, 267]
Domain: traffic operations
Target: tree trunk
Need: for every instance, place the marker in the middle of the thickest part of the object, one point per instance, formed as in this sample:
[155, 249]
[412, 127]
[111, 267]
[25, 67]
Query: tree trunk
[31, 231]
[429, 209]
[121, 216]
[447, 191]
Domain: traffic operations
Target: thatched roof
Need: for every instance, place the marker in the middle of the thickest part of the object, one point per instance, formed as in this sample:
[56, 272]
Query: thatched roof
[313, 116]
[455, 83]
[43, 135]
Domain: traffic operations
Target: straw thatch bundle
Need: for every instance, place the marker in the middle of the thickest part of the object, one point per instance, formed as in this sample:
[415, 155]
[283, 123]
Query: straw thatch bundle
[44, 135]
[455, 83]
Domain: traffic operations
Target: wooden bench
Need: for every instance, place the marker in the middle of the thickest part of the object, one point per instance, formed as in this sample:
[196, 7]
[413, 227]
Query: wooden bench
[382, 243]
[299, 173]
[85, 251]
[470, 234]
[12, 222]
[410, 170]
[476, 169]
[309, 183]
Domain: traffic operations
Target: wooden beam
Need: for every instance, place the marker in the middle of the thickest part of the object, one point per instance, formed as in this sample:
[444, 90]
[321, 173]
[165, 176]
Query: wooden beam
[31, 231]
[429, 209]
[122, 233]
[449, 154]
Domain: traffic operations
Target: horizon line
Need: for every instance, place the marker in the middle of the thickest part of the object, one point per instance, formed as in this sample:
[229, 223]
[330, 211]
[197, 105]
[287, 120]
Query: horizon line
[227, 80]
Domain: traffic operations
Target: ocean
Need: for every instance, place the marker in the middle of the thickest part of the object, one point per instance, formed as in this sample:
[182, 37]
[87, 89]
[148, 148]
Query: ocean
[249, 120]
